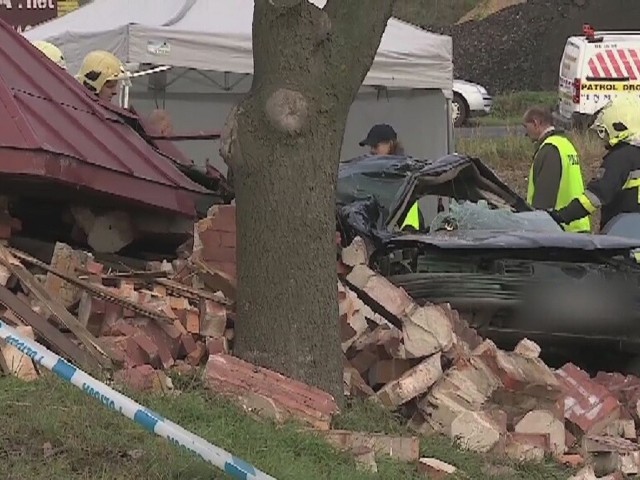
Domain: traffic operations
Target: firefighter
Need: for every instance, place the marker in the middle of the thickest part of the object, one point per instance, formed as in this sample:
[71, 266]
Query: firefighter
[615, 189]
[555, 177]
[100, 73]
[52, 52]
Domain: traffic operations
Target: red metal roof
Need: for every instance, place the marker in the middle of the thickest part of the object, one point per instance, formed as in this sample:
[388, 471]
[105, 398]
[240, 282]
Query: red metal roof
[52, 129]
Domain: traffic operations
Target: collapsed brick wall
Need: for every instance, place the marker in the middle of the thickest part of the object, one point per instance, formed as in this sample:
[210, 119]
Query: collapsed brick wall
[215, 239]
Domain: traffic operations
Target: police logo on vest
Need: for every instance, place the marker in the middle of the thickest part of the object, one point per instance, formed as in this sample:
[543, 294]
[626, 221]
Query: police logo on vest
[573, 159]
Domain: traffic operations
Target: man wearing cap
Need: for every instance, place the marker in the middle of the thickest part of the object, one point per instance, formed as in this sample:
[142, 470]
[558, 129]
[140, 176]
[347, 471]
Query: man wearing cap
[382, 139]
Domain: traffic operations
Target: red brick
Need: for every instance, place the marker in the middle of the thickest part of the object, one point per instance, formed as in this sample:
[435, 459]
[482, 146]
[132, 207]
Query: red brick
[626, 389]
[386, 371]
[283, 396]
[166, 333]
[162, 343]
[195, 358]
[393, 299]
[220, 254]
[540, 440]
[187, 345]
[210, 239]
[588, 405]
[229, 268]
[94, 267]
[122, 327]
[117, 347]
[228, 239]
[134, 354]
[217, 345]
[213, 319]
[519, 373]
[149, 347]
[223, 217]
[112, 313]
[143, 379]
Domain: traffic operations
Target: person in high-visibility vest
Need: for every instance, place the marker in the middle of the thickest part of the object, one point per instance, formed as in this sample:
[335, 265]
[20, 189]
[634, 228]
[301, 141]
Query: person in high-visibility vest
[382, 139]
[555, 177]
[615, 189]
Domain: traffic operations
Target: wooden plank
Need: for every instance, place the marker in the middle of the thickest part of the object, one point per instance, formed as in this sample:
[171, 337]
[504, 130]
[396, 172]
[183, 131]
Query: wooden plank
[96, 290]
[61, 344]
[192, 293]
[92, 344]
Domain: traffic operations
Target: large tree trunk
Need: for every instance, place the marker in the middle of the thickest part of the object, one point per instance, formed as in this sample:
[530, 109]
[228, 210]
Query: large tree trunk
[283, 144]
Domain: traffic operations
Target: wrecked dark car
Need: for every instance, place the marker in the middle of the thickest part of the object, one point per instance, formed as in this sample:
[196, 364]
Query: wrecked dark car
[510, 271]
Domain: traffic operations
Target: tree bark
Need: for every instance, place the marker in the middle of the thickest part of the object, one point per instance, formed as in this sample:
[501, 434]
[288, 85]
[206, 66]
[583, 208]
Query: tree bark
[283, 144]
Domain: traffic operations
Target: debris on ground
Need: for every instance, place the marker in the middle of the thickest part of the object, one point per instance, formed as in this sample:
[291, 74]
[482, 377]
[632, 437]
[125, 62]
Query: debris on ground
[422, 361]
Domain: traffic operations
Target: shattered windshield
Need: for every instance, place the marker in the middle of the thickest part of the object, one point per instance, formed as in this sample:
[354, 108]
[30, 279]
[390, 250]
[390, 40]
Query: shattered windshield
[360, 186]
[480, 216]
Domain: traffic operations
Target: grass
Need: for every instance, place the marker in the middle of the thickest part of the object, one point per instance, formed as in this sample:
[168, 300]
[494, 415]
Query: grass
[51, 430]
[509, 108]
[511, 156]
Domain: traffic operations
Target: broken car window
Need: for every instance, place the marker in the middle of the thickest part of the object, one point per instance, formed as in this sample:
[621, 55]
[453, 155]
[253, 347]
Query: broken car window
[480, 216]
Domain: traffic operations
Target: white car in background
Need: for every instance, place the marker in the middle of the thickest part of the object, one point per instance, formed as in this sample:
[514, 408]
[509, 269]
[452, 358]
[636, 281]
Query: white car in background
[469, 100]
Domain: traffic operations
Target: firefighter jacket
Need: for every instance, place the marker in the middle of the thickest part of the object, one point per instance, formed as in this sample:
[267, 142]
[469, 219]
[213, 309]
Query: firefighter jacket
[615, 188]
[555, 178]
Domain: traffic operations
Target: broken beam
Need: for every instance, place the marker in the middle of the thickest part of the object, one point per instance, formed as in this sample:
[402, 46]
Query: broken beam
[91, 343]
[95, 290]
[49, 332]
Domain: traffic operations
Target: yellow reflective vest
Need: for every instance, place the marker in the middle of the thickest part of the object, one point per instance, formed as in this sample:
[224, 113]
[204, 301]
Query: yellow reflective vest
[571, 183]
[413, 217]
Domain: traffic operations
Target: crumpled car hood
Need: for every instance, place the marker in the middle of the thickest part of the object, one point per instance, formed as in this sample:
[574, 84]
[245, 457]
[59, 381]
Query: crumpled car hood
[362, 213]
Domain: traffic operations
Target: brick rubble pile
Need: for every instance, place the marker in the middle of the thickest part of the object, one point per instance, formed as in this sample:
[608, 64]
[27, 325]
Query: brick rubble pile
[423, 361]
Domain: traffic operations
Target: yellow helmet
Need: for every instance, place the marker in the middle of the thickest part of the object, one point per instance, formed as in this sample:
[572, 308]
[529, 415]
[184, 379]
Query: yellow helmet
[51, 51]
[99, 67]
[618, 120]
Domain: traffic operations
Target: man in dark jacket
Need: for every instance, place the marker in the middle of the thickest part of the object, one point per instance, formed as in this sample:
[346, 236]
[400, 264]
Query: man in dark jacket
[616, 186]
[555, 178]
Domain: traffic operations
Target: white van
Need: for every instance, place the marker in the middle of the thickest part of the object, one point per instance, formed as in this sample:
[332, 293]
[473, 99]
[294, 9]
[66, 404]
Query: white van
[595, 67]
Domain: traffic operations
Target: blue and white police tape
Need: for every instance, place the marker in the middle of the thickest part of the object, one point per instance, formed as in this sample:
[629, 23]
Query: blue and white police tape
[148, 419]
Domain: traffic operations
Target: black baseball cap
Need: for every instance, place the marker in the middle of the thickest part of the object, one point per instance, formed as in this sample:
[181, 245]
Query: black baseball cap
[378, 134]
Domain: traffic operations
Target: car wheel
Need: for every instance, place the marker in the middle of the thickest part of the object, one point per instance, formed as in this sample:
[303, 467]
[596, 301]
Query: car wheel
[459, 111]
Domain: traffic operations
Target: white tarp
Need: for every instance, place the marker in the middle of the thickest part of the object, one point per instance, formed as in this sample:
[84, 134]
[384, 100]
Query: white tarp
[216, 35]
[104, 25]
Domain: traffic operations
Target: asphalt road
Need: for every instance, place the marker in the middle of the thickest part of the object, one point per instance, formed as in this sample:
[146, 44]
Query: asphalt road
[489, 132]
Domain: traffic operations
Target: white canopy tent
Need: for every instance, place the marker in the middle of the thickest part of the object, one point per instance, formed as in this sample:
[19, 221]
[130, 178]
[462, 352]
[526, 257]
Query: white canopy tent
[104, 25]
[209, 41]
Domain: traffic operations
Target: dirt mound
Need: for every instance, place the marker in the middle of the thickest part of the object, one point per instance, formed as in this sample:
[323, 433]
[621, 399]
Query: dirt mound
[488, 7]
[520, 47]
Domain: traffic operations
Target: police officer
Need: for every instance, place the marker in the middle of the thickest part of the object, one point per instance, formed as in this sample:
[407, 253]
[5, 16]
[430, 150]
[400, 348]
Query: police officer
[555, 177]
[616, 186]
[382, 139]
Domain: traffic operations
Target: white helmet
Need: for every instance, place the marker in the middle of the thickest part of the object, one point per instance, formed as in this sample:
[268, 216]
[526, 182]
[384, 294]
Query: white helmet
[52, 52]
